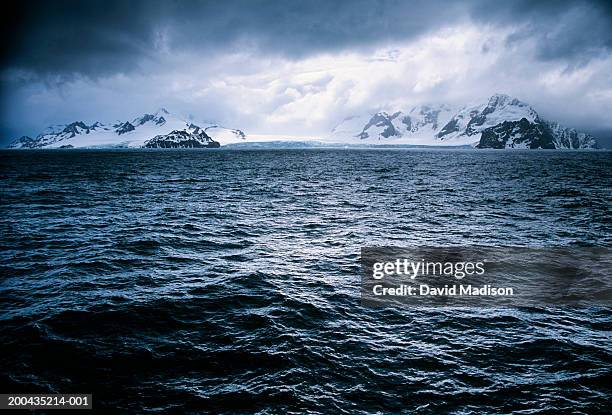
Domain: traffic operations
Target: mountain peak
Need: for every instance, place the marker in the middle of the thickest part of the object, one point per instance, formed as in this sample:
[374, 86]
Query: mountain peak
[123, 128]
[499, 100]
[157, 117]
[500, 96]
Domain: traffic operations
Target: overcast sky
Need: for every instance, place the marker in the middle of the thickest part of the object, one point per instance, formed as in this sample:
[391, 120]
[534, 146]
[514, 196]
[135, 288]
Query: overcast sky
[299, 67]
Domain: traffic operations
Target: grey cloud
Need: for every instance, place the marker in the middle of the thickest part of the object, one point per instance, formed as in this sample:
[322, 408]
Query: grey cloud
[572, 31]
[96, 38]
[101, 37]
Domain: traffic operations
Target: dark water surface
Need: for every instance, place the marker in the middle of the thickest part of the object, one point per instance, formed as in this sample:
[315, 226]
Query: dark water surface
[228, 281]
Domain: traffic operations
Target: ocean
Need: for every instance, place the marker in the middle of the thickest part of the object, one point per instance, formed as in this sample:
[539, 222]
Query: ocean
[228, 281]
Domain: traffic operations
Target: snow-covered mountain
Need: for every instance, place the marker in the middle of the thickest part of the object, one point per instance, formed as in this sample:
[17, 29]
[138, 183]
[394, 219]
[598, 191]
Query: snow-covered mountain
[501, 122]
[158, 130]
[421, 121]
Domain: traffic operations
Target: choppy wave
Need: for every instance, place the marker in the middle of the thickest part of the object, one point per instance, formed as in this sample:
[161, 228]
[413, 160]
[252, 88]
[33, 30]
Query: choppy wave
[228, 281]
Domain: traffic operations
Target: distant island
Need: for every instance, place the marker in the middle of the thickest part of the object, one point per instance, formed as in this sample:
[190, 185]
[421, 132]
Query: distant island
[501, 122]
[160, 129]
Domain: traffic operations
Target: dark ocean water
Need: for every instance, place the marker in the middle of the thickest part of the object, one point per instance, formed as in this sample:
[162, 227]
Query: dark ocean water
[228, 281]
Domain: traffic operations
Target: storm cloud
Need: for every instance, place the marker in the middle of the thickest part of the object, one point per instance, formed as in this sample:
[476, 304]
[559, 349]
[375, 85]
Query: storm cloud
[102, 37]
[61, 56]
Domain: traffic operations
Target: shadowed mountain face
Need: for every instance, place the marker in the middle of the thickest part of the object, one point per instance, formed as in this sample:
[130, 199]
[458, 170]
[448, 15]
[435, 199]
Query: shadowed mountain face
[183, 139]
[501, 122]
[517, 134]
[384, 121]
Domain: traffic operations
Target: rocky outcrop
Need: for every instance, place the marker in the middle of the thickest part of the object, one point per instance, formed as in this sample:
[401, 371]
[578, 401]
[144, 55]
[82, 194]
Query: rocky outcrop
[182, 139]
[517, 134]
